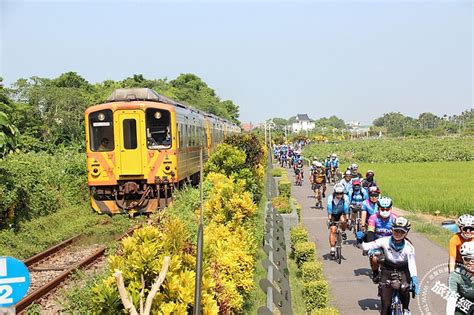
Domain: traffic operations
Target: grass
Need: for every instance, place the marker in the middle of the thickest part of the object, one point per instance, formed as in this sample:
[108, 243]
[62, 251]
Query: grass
[434, 232]
[447, 187]
[40, 233]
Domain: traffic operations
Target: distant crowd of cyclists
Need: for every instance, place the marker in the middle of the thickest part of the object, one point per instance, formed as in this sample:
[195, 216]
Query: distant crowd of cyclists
[356, 204]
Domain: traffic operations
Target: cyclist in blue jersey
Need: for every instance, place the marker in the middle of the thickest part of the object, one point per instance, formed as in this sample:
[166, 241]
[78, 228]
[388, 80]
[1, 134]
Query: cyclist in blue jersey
[380, 225]
[369, 206]
[327, 164]
[356, 195]
[338, 208]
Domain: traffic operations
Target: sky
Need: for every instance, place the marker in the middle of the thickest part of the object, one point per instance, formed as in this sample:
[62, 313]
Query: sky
[353, 59]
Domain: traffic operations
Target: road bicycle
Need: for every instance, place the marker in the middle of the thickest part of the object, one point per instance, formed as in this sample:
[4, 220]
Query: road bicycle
[318, 188]
[397, 285]
[298, 178]
[338, 254]
[355, 223]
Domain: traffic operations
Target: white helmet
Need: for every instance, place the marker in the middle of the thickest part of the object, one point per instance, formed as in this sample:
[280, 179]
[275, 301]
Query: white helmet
[338, 188]
[334, 155]
[319, 164]
[315, 163]
[467, 249]
[466, 220]
[354, 166]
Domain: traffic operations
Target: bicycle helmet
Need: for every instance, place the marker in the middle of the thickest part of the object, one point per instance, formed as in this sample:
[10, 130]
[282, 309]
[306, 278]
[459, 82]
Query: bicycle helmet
[338, 188]
[369, 173]
[328, 156]
[402, 224]
[347, 173]
[356, 182]
[334, 155]
[467, 249]
[354, 166]
[319, 164]
[384, 202]
[315, 163]
[466, 220]
[374, 190]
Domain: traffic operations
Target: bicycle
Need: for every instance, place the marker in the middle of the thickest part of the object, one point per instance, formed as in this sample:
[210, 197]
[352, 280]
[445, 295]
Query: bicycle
[355, 224]
[298, 177]
[338, 255]
[395, 282]
[317, 188]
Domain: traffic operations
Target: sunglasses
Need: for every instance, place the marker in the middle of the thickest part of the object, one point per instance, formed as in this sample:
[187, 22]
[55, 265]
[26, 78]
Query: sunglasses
[339, 193]
[468, 259]
[385, 209]
[373, 195]
[467, 229]
[400, 232]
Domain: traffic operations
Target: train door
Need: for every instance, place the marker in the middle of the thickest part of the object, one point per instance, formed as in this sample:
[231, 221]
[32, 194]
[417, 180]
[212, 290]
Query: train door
[130, 143]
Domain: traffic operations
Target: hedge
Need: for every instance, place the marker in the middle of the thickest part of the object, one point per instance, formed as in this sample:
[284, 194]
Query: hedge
[305, 251]
[315, 294]
[311, 271]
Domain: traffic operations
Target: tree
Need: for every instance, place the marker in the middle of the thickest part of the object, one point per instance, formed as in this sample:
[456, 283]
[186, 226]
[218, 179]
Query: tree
[70, 80]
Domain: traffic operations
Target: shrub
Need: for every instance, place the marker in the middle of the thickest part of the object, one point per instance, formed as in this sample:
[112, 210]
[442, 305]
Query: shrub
[298, 234]
[325, 311]
[276, 172]
[304, 251]
[311, 271]
[315, 294]
[298, 210]
[282, 204]
[284, 187]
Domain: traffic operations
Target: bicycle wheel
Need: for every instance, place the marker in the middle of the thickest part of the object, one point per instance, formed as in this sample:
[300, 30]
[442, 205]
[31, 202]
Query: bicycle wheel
[397, 308]
[339, 247]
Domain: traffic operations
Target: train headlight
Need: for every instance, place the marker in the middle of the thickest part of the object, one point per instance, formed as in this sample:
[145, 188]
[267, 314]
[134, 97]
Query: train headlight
[101, 116]
[157, 115]
[167, 167]
[95, 171]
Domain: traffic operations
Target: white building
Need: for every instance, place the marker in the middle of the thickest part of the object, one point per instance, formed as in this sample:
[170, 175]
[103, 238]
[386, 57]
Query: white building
[302, 123]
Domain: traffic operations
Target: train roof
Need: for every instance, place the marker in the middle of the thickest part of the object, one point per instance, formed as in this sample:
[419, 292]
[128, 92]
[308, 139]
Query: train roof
[145, 94]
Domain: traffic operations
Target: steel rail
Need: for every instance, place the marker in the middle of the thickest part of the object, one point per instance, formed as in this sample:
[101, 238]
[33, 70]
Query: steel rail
[40, 256]
[51, 285]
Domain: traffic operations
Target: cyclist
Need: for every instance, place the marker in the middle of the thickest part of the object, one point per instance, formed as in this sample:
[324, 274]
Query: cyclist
[369, 180]
[380, 225]
[461, 281]
[338, 208]
[318, 178]
[466, 232]
[299, 166]
[346, 182]
[355, 172]
[327, 164]
[334, 165]
[399, 258]
[357, 195]
[369, 206]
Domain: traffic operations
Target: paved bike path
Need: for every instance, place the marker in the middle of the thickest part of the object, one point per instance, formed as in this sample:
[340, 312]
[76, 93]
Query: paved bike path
[352, 290]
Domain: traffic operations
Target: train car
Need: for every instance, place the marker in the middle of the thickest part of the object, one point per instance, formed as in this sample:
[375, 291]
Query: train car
[141, 145]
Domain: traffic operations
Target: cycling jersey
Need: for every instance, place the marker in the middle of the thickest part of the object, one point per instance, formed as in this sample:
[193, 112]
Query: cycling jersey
[347, 186]
[341, 207]
[366, 183]
[319, 177]
[357, 197]
[334, 163]
[327, 163]
[396, 259]
[455, 244]
[380, 226]
[462, 282]
[370, 207]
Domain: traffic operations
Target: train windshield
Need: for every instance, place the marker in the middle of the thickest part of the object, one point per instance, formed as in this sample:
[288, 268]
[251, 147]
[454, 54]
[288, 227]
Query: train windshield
[101, 131]
[158, 129]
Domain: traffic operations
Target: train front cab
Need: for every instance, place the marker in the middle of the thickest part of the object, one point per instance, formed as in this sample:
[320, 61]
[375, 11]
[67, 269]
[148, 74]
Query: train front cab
[130, 156]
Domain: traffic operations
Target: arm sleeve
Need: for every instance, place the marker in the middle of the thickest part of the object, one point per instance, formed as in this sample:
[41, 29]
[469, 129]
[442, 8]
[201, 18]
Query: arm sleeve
[350, 195]
[412, 263]
[366, 195]
[372, 245]
[330, 204]
[453, 286]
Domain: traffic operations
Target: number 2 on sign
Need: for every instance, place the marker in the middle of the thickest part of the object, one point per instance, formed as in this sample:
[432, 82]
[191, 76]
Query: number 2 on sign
[5, 292]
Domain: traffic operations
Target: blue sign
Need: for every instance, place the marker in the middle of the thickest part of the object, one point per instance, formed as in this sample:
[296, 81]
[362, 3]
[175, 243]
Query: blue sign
[14, 281]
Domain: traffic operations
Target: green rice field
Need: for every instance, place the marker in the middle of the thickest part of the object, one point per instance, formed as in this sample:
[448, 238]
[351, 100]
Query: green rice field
[427, 187]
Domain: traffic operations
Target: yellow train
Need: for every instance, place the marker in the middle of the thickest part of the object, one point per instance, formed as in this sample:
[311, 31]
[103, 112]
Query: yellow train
[141, 145]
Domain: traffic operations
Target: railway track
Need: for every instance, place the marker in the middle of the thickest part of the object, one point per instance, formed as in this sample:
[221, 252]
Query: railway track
[50, 268]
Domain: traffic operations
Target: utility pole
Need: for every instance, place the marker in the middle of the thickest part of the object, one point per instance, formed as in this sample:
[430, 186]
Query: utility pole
[265, 126]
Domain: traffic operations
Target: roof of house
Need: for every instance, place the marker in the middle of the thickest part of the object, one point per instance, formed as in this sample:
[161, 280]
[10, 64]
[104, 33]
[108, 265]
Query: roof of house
[302, 117]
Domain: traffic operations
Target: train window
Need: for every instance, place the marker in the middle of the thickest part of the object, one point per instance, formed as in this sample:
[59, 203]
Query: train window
[101, 131]
[130, 134]
[158, 128]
